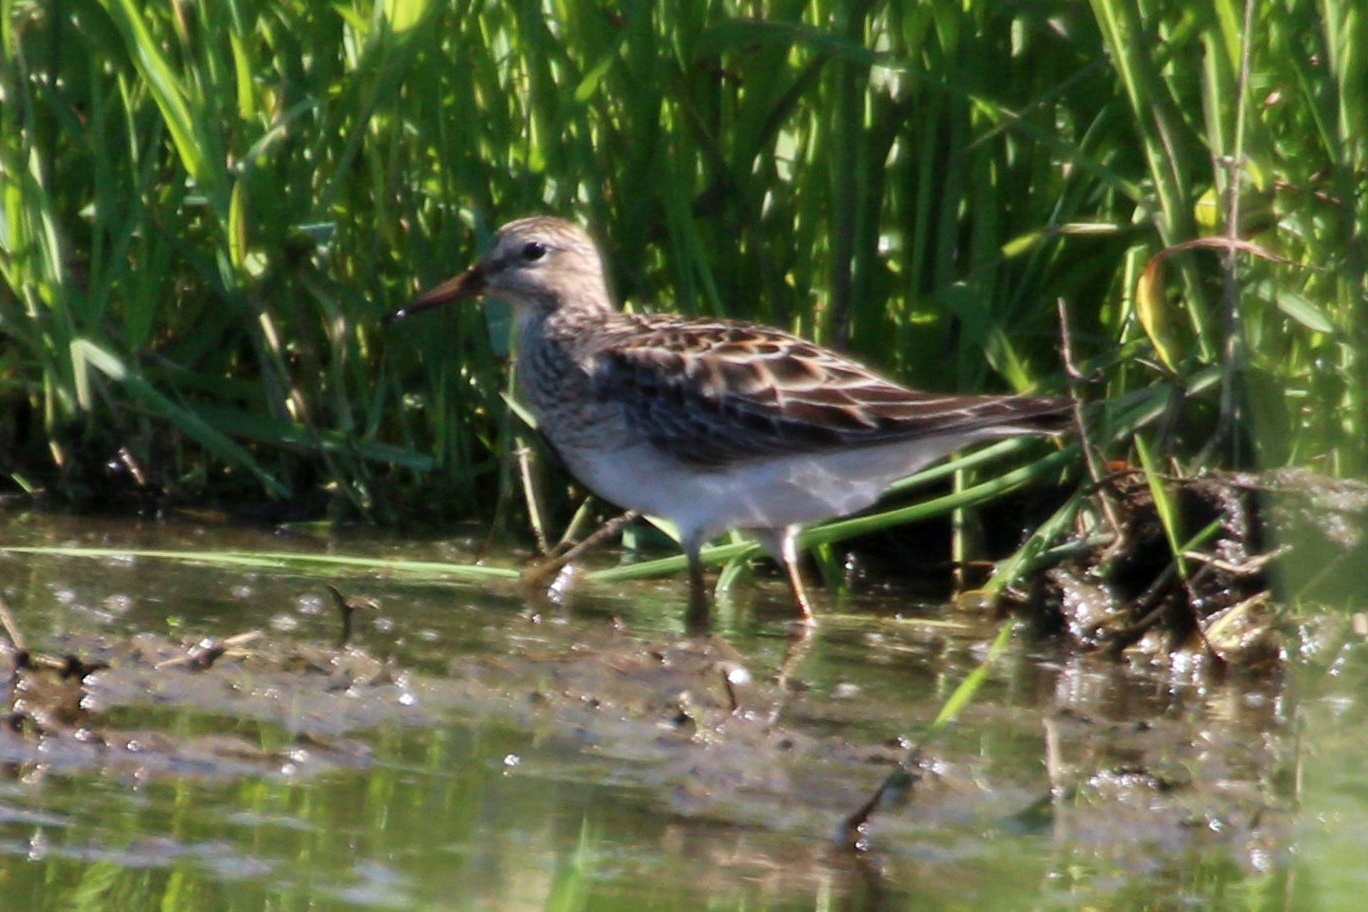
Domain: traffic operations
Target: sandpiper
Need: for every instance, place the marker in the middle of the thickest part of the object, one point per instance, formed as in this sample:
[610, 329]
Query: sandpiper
[713, 425]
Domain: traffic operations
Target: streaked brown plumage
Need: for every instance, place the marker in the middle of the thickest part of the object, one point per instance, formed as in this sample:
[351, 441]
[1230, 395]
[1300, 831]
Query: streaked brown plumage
[714, 425]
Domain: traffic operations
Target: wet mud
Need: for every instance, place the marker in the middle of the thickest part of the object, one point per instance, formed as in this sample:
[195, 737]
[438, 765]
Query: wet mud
[697, 727]
[1145, 765]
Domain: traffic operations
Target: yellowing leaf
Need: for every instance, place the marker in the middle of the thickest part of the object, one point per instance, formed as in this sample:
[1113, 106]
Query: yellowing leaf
[1151, 307]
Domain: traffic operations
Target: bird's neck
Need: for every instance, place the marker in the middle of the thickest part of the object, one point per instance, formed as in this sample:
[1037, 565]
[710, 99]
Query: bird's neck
[565, 320]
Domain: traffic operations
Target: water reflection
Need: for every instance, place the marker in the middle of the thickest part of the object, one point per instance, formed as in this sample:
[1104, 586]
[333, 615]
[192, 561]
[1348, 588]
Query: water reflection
[496, 758]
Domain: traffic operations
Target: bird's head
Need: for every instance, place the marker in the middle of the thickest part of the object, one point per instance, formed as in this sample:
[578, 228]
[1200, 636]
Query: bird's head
[536, 264]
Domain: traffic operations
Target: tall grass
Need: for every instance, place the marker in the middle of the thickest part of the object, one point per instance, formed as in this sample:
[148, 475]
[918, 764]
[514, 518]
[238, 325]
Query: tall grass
[206, 208]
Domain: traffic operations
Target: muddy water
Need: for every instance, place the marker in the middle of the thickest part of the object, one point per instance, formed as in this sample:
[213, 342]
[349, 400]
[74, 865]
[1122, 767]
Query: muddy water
[470, 750]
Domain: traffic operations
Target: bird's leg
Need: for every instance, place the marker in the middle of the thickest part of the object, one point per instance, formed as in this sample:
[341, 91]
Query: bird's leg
[700, 605]
[800, 644]
[782, 545]
[795, 577]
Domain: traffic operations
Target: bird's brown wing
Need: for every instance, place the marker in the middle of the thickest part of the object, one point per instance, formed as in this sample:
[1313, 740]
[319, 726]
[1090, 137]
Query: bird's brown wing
[720, 392]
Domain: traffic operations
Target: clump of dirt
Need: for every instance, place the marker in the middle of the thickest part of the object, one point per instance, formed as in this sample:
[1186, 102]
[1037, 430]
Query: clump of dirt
[62, 712]
[1134, 590]
[692, 722]
[1240, 536]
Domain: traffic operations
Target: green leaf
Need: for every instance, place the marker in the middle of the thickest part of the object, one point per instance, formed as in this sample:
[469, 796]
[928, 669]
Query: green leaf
[1303, 311]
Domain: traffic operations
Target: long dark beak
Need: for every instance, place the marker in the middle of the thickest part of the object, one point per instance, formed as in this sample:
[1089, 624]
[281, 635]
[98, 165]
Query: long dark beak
[469, 284]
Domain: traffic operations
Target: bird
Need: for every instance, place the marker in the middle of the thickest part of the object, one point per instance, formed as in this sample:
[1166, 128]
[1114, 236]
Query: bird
[713, 424]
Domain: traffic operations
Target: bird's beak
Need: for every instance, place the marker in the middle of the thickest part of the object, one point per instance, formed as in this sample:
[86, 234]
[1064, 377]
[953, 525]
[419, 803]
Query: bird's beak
[469, 284]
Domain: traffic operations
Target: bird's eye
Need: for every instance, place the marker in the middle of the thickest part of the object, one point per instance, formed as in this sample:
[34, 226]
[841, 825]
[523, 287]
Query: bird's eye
[533, 251]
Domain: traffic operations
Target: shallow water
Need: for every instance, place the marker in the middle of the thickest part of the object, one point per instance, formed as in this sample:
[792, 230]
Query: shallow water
[469, 751]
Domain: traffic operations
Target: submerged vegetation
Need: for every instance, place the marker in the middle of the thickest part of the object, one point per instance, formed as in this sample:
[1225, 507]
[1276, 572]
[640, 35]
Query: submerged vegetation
[207, 208]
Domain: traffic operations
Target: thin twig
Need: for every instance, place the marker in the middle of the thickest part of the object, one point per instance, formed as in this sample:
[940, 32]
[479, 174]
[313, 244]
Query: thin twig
[607, 530]
[206, 652]
[1153, 595]
[1232, 349]
[1246, 567]
[1085, 441]
[11, 628]
[535, 514]
[543, 570]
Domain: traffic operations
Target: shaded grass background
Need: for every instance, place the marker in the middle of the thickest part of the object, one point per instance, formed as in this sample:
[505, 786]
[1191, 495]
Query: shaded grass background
[206, 208]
